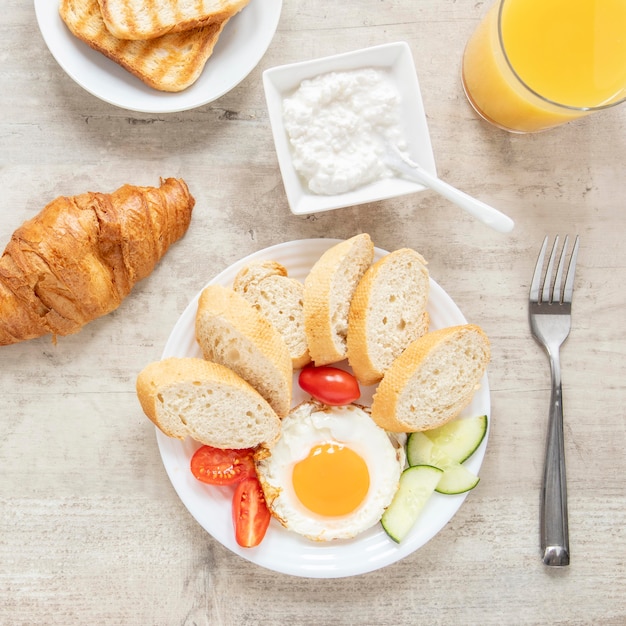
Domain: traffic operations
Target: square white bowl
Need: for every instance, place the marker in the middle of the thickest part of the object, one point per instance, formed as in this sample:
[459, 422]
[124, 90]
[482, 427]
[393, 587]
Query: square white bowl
[281, 82]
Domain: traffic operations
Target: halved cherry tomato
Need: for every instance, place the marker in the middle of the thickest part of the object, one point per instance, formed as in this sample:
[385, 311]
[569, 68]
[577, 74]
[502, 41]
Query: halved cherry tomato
[329, 385]
[251, 516]
[222, 467]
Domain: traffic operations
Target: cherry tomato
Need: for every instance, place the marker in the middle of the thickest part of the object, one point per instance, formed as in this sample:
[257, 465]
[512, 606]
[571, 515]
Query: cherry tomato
[251, 517]
[222, 467]
[329, 385]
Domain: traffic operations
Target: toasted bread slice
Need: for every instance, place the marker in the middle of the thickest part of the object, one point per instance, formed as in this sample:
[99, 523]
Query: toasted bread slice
[206, 401]
[169, 63]
[328, 290]
[387, 313]
[230, 331]
[148, 19]
[433, 380]
[266, 285]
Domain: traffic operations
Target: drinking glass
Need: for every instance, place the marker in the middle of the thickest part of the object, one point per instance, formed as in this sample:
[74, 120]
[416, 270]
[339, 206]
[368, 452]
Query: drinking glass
[535, 64]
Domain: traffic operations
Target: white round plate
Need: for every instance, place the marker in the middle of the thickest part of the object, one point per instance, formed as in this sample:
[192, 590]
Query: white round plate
[282, 550]
[241, 46]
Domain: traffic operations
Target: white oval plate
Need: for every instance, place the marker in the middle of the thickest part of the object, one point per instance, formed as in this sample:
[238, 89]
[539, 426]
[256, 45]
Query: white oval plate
[282, 550]
[241, 46]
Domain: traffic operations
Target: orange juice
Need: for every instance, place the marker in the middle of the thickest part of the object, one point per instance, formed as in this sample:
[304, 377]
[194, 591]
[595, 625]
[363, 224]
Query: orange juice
[534, 64]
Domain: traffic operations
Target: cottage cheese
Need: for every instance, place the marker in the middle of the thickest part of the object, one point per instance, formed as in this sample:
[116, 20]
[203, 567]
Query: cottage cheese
[338, 123]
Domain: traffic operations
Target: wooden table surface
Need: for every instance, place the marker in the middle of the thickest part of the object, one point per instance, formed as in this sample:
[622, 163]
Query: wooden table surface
[91, 530]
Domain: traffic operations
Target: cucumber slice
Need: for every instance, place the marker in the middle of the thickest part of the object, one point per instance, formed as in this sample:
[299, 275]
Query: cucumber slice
[417, 484]
[459, 439]
[420, 450]
[456, 478]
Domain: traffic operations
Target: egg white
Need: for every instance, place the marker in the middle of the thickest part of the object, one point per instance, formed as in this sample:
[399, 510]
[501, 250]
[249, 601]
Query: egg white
[311, 424]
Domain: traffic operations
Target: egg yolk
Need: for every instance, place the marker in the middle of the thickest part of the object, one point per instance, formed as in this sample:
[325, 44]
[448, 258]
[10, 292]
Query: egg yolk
[332, 480]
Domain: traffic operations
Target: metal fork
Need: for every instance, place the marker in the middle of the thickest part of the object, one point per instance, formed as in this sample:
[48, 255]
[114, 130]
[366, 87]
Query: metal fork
[550, 309]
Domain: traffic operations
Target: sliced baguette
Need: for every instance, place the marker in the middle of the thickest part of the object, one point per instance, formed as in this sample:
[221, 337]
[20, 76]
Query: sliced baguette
[387, 313]
[433, 380]
[266, 285]
[206, 401]
[169, 63]
[328, 290]
[230, 331]
[147, 19]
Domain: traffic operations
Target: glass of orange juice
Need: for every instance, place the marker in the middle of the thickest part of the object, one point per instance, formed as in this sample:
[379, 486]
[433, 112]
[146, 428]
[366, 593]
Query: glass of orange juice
[534, 64]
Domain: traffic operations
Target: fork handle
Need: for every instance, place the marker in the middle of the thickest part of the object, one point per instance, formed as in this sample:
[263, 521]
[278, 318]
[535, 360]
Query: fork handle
[554, 530]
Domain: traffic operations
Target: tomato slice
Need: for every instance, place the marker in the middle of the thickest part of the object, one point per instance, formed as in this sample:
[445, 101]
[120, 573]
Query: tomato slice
[251, 517]
[329, 385]
[222, 467]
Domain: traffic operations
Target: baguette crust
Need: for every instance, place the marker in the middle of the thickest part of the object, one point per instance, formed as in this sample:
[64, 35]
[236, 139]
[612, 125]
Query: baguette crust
[206, 401]
[148, 19]
[230, 331]
[169, 63]
[387, 313]
[328, 290]
[433, 380]
[266, 285]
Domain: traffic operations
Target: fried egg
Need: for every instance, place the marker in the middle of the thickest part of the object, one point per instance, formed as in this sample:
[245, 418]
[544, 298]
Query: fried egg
[332, 473]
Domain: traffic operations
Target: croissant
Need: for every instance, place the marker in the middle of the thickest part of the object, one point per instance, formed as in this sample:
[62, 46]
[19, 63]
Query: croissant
[80, 256]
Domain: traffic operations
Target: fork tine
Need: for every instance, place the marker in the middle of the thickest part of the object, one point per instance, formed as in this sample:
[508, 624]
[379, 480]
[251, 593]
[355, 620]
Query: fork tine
[556, 289]
[546, 295]
[536, 282]
[568, 292]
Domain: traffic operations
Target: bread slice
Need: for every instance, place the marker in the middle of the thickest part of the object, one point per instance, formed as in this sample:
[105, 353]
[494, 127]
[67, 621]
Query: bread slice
[328, 290]
[433, 380]
[387, 313]
[206, 401]
[169, 63]
[147, 19]
[230, 331]
[267, 286]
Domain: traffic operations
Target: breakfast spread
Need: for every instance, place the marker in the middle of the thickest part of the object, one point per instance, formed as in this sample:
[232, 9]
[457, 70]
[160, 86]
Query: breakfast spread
[166, 48]
[329, 467]
[80, 256]
[338, 124]
[321, 409]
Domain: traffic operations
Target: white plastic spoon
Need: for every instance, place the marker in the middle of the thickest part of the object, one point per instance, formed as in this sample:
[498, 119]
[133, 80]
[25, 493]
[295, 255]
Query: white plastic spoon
[481, 211]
